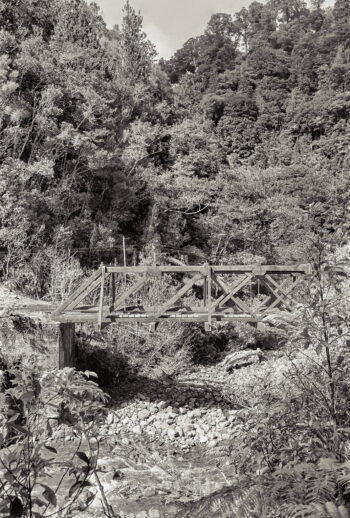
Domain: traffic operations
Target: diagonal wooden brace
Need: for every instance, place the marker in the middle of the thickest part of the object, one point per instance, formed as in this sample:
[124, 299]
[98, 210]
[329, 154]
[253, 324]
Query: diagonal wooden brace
[178, 295]
[131, 291]
[223, 286]
[280, 287]
[285, 294]
[224, 298]
[79, 294]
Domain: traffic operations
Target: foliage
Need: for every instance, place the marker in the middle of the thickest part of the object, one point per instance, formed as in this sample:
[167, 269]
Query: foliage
[222, 149]
[27, 456]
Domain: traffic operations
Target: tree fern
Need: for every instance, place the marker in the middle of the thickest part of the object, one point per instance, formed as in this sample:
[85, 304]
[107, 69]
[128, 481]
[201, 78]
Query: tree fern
[325, 510]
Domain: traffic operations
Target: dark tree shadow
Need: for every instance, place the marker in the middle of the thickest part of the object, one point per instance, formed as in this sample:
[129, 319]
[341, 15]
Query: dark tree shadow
[175, 392]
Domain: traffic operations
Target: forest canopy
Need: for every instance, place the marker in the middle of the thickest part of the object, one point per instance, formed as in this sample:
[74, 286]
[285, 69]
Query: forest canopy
[235, 149]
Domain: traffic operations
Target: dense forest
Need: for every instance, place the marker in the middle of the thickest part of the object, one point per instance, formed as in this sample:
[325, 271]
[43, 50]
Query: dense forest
[235, 149]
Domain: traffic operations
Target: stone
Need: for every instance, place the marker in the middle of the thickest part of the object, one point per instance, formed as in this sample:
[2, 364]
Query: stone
[148, 491]
[137, 429]
[144, 414]
[110, 418]
[241, 359]
[172, 433]
[179, 431]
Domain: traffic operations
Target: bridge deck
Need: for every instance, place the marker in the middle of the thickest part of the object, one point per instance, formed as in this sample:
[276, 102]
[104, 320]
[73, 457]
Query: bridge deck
[91, 314]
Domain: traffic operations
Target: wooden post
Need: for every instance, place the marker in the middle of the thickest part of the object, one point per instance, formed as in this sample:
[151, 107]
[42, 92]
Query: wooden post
[100, 309]
[124, 256]
[66, 346]
[125, 277]
[207, 325]
[112, 290]
[113, 276]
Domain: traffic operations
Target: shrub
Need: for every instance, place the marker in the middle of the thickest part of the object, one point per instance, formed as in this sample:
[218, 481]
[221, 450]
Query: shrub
[27, 462]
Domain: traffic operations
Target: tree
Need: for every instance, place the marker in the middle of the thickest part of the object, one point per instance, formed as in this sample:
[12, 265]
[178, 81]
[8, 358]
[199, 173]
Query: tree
[138, 51]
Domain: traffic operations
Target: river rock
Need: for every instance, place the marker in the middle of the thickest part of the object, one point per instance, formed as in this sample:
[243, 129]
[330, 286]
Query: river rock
[241, 359]
[144, 414]
[110, 418]
[137, 429]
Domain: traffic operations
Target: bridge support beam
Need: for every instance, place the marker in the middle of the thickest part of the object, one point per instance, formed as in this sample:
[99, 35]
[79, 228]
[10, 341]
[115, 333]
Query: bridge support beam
[66, 345]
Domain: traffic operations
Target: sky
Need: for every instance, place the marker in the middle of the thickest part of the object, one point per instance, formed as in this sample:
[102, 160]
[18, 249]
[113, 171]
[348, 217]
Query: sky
[170, 23]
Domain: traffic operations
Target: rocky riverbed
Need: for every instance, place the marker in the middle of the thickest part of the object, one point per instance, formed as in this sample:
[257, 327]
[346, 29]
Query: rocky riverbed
[165, 443]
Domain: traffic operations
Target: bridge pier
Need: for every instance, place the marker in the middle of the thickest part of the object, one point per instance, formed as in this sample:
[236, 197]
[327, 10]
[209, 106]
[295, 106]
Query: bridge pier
[66, 345]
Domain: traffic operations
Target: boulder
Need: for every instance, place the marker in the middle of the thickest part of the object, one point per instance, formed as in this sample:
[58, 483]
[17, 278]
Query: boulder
[241, 359]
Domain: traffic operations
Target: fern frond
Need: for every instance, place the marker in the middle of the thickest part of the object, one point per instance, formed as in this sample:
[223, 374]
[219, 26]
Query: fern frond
[325, 510]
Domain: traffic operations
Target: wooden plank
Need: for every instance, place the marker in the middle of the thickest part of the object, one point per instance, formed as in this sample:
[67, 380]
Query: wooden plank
[109, 319]
[239, 268]
[80, 293]
[179, 294]
[153, 271]
[162, 269]
[131, 291]
[273, 268]
[100, 309]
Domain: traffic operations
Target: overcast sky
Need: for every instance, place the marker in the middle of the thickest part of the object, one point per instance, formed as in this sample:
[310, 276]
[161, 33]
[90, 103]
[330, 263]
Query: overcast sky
[169, 23]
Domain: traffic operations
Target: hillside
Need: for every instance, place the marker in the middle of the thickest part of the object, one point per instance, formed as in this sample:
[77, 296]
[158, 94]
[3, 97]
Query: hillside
[235, 149]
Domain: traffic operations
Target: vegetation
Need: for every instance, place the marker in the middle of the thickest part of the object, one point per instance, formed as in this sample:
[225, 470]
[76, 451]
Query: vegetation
[234, 150]
[28, 459]
[220, 153]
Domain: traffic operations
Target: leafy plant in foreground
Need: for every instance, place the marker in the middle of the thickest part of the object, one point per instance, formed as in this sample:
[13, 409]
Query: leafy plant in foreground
[28, 459]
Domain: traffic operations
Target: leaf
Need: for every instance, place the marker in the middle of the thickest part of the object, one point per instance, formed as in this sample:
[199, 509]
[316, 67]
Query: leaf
[28, 396]
[319, 349]
[78, 485]
[13, 418]
[90, 374]
[50, 448]
[49, 494]
[83, 457]
[39, 502]
[5, 505]
[20, 429]
[16, 508]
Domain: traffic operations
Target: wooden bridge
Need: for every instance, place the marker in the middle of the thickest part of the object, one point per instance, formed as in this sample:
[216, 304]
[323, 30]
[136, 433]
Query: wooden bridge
[203, 293]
